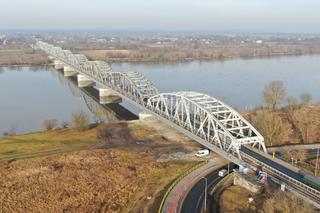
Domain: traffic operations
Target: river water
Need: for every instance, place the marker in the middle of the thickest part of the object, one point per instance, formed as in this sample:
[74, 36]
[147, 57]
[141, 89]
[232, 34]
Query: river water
[30, 95]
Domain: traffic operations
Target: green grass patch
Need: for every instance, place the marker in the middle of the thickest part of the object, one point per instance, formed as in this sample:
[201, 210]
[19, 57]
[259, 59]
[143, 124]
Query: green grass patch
[40, 142]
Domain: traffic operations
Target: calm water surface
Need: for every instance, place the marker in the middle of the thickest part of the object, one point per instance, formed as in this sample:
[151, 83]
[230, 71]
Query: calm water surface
[239, 82]
[30, 95]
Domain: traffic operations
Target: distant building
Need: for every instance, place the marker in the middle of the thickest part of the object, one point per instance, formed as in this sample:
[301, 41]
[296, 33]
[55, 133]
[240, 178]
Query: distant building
[259, 42]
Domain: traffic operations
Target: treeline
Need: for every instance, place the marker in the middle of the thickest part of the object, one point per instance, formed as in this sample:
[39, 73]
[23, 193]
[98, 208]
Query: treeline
[190, 52]
[296, 122]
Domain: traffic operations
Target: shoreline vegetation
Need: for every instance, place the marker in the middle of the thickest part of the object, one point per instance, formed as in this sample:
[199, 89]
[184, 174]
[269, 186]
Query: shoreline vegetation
[24, 55]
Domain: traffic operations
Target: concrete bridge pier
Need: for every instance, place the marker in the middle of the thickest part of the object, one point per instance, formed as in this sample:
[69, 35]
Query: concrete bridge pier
[58, 65]
[84, 81]
[106, 96]
[69, 71]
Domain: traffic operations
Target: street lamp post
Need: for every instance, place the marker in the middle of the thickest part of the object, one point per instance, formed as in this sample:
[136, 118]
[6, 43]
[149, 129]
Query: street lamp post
[315, 172]
[205, 193]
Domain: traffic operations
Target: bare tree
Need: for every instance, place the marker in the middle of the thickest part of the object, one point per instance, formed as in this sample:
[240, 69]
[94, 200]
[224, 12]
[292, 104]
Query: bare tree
[287, 154]
[305, 98]
[80, 120]
[308, 125]
[271, 127]
[49, 124]
[11, 132]
[301, 155]
[292, 103]
[274, 94]
[286, 202]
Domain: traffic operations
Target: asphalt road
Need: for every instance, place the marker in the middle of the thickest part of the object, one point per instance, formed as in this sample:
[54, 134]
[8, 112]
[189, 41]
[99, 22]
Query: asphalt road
[195, 197]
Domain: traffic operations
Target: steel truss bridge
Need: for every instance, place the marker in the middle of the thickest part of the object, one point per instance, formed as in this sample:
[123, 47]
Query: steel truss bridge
[201, 117]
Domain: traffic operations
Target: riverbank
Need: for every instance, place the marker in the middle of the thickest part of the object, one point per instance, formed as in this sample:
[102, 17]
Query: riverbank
[127, 56]
[21, 56]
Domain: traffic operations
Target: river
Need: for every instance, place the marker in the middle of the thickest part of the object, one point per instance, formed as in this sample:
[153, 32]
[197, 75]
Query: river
[30, 95]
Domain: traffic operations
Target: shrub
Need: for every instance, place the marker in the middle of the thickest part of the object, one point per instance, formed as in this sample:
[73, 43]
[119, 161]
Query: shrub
[49, 124]
[80, 120]
[65, 124]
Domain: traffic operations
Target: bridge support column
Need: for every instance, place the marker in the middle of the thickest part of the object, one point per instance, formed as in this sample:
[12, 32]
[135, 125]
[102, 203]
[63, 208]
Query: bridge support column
[106, 96]
[58, 65]
[84, 81]
[69, 71]
[145, 116]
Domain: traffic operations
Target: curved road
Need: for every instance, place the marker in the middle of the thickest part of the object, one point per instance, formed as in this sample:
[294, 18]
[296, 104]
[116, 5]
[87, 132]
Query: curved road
[193, 202]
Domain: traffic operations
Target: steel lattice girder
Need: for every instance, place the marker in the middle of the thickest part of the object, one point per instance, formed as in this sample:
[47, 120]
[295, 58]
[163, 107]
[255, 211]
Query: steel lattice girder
[207, 118]
[130, 84]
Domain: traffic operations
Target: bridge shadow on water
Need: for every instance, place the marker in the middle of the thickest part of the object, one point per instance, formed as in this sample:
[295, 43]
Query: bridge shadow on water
[105, 112]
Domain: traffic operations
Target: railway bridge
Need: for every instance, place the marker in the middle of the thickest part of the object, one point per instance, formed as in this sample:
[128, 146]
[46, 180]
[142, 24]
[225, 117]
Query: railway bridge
[201, 117]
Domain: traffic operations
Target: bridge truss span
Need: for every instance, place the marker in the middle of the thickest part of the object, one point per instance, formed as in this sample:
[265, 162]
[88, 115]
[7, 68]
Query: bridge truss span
[207, 118]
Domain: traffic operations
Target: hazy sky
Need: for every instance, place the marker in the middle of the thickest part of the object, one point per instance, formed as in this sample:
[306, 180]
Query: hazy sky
[295, 16]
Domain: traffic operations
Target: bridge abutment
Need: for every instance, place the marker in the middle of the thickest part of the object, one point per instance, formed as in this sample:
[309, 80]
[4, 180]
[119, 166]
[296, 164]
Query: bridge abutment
[247, 181]
[106, 96]
[58, 65]
[145, 116]
[84, 81]
[69, 71]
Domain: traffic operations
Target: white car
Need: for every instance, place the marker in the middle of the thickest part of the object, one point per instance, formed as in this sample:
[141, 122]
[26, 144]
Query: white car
[223, 172]
[202, 153]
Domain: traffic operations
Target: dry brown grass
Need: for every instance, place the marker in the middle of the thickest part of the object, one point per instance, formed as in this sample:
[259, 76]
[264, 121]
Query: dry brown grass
[114, 175]
[84, 181]
[235, 199]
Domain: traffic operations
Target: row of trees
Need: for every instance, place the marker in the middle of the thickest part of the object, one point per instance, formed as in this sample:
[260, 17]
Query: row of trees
[274, 95]
[79, 121]
[298, 124]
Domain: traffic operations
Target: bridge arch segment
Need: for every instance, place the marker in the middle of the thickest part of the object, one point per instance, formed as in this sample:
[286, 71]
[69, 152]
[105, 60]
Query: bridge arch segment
[208, 118]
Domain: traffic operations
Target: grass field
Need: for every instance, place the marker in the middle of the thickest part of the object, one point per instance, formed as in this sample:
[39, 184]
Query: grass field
[42, 143]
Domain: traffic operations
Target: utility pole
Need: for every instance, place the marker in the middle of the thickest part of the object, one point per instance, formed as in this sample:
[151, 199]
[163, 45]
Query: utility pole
[205, 193]
[316, 170]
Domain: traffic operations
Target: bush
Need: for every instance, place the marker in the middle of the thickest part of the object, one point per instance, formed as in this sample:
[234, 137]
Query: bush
[103, 133]
[49, 124]
[65, 124]
[271, 126]
[80, 120]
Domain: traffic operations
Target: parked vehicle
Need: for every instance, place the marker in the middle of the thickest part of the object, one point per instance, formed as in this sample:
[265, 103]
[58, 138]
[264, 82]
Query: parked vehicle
[202, 153]
[223, 172]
